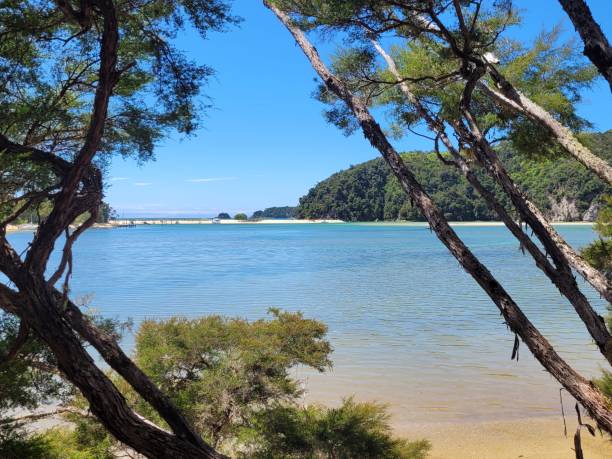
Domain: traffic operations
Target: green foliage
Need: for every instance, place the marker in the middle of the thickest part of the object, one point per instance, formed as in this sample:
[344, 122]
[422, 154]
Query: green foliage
[241, 216]
[605, 385]
[369, 192]
[275, 212]
[31, 379]
[599, 253]
[49, 66]
[232, 379]
[351, 431]
[157, 87]
[220, 371]
[25, 381]
[90, 442]
[15, 443]
[106, 213]
[224, 216]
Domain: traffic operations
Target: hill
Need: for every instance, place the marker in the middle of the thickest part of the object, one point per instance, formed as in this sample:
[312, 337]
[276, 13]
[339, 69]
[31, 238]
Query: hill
[560, 186]
[275, 212]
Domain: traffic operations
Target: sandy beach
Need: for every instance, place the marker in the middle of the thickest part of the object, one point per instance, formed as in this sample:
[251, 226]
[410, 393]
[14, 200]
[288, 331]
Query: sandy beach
[533, 438]
[205, 221]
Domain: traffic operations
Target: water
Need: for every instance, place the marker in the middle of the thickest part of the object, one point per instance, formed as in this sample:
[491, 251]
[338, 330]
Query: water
[408, 326]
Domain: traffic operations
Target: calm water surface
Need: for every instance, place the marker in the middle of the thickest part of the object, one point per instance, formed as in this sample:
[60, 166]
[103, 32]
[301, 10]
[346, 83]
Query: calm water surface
[408, 326]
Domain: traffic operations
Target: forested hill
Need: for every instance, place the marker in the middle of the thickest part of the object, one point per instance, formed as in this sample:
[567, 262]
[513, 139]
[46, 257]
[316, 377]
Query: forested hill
[560, 186]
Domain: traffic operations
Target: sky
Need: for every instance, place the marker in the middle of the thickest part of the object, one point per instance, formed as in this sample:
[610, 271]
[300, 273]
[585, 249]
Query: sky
[264, 142]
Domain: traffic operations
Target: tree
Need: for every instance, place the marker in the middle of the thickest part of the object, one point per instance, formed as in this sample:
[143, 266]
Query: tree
[101, 78]
[232, 379]
[599, 253]
[275, 212]
[106, 213]
[224, 216]
[352, 111]
[353, 430]
[240, 216]
[596, 45]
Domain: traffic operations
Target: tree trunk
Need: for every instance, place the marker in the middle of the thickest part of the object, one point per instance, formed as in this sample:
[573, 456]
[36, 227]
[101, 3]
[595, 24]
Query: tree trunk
[561, 278]
[596, 45]
[39, 307]
[513, 99]
[40, 311]
[124, 366]
[561, 252]
[580, 388]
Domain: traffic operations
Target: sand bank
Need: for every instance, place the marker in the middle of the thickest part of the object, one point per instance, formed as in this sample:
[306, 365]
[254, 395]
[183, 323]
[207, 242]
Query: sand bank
[533, 438]
[206, 221]
[459, 224]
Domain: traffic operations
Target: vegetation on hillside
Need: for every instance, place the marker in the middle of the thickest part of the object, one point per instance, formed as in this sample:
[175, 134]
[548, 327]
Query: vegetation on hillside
[275, 212]
[560, 186]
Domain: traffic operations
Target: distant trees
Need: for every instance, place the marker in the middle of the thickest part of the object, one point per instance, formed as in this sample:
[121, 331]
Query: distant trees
[241, 216]
[453, 70]
[106, 213]
[275, 212]
[224, 216]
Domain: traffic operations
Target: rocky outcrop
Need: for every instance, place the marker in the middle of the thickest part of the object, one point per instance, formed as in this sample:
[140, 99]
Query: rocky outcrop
[591, 213]
[563, 210]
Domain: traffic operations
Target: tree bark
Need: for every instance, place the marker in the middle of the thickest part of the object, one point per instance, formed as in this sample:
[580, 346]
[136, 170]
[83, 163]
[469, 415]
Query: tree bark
[40, 306]
[53, 317]
[112, 353]
[561, 278]
[596, 45]
[561, 252]
[580, 388]
[514, 100]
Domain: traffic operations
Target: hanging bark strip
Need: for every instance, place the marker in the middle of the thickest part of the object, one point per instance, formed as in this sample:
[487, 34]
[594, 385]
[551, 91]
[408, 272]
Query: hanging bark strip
[562, 278]
[591, 398]
[596, 45]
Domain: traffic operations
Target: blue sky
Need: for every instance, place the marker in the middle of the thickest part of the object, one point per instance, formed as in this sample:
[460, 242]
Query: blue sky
[264, 142]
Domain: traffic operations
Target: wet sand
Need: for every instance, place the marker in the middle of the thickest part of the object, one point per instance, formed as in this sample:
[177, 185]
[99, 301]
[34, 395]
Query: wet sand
[535, 438]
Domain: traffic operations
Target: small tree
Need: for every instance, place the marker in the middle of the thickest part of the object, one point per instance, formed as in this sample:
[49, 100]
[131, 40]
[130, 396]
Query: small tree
[232, 379]
[224, 216]
[240, 216]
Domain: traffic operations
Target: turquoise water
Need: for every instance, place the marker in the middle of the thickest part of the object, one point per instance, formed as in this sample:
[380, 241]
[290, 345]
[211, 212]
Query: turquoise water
[408, 326]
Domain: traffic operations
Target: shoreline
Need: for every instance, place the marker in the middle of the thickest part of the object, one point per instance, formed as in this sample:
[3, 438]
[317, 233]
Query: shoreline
[159, 222]
[529, 438]
[165, 222]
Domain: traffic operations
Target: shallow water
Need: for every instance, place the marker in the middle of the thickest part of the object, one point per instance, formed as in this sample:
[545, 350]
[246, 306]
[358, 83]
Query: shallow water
[408, 326]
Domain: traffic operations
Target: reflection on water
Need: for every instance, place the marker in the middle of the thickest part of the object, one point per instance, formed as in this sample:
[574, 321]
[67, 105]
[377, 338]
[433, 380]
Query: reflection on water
[408, 326]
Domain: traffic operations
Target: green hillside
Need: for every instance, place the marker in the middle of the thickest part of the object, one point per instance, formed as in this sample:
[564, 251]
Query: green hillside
[560, 186]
